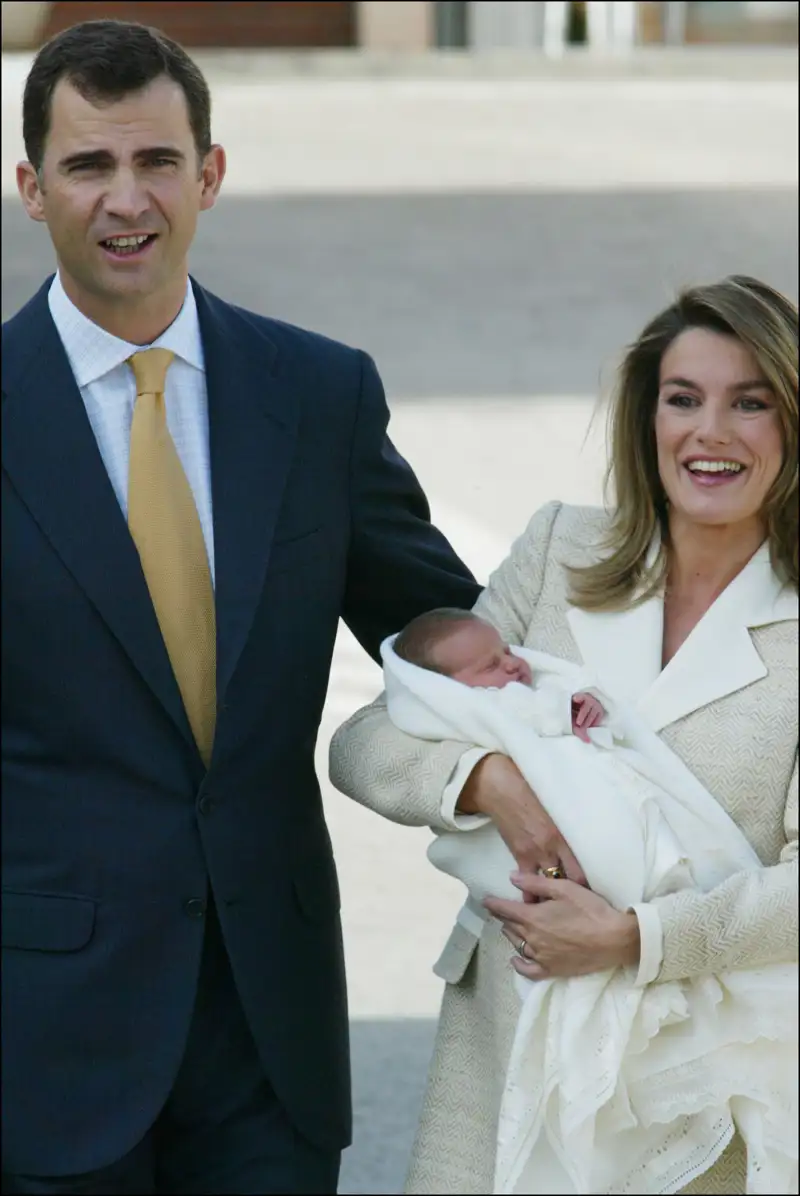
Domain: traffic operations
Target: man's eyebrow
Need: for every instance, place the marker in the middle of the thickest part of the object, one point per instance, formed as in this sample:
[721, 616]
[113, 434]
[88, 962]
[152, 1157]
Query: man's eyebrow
[753, 384]
[103, 157]
[81, 156]
[162, 151]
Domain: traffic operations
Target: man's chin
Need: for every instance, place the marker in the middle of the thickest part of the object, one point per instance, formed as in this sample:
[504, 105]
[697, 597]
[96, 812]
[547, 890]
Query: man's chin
[116, 288]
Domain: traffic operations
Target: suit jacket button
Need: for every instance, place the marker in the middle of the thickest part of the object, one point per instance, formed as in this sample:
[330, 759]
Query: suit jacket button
[206, 804]
[195, 908]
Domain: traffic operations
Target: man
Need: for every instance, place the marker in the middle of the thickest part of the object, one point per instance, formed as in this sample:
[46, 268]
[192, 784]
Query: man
[193, 496]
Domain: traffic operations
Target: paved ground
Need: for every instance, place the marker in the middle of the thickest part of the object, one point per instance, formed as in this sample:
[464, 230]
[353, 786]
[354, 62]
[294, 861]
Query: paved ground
[493, 245]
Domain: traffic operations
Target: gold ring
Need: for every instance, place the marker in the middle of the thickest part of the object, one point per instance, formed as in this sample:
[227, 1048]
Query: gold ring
[556, 873]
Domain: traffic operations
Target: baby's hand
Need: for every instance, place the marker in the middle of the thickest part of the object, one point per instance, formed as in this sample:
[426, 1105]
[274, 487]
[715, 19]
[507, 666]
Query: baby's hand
[586, 712]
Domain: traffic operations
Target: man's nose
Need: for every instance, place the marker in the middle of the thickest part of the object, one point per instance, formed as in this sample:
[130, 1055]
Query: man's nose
[126, 198]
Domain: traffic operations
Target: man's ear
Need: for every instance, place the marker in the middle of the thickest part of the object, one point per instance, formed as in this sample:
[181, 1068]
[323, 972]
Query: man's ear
[30, 190]
[212, 173]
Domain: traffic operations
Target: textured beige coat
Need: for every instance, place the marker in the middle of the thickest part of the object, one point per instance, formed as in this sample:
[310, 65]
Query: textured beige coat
[727, 704]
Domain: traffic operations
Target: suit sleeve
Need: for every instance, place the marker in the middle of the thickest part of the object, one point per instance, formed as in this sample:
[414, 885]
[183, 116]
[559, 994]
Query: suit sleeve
[399, 564]
[412, 781]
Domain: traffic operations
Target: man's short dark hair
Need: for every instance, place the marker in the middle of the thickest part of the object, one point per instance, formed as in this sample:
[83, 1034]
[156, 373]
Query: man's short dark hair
[418, 641]
[106, 61]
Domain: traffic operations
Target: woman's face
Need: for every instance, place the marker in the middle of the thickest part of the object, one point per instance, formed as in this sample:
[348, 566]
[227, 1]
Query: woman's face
[718, 432]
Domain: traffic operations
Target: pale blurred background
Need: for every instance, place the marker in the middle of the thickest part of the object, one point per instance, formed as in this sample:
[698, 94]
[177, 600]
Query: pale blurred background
[491, 199]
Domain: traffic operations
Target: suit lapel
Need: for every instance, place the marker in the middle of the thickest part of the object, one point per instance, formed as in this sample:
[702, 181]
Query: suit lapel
[252, 428]
[51, 457]
[624, 649]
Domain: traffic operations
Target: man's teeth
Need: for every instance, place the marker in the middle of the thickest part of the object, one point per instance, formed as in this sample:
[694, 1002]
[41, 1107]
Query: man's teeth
[715, 467]
[126, 242]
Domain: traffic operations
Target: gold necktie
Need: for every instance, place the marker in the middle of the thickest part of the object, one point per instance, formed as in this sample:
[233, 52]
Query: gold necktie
[165, 526]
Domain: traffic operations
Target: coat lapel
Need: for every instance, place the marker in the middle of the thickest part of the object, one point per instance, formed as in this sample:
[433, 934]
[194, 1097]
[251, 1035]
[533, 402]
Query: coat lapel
[51, 457]
[253, 421]
[718, 658]
[622, 648]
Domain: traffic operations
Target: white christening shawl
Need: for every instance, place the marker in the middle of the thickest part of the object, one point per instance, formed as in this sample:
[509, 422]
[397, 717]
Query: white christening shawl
[614, 1088]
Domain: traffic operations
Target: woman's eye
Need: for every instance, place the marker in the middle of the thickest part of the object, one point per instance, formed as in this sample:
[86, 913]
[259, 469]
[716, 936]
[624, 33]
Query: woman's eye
[681, 400]
[748, 404]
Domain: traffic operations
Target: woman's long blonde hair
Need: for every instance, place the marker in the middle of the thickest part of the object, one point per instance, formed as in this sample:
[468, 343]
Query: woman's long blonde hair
[765, 322]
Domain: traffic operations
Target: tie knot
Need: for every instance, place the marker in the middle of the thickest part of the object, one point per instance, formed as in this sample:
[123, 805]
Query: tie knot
[150, 370]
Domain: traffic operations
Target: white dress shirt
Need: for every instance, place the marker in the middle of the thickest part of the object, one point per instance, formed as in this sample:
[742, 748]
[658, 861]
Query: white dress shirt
[108, 389]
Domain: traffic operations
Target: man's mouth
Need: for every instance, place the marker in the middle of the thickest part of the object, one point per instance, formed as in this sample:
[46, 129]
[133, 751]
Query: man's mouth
[135, 245]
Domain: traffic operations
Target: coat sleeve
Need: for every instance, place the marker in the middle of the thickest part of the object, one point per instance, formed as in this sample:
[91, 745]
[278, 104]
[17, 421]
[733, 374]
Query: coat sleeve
[749, 920]
[399, 564]
[403, 778]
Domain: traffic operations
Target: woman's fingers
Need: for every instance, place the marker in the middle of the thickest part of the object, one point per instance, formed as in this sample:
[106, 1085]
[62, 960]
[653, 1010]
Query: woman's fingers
[544, 888]
[571, 866]
[507, 912]
[529, 968]
[526, 965]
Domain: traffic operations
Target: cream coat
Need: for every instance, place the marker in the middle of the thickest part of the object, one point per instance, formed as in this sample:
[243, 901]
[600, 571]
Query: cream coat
[727, 704]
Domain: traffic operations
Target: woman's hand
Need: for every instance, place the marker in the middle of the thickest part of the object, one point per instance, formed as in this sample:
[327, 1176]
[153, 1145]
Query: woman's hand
[498, 789]
[569, 931]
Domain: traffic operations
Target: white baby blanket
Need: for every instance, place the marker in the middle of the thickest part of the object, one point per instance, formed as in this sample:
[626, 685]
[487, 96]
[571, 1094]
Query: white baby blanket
[613, 1088]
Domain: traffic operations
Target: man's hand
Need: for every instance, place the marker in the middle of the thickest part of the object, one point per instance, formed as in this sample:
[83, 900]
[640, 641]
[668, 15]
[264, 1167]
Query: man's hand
[587, 712]
[497, 789]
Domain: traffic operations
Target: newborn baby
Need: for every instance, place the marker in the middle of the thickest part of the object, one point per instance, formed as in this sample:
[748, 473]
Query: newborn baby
[465, 648]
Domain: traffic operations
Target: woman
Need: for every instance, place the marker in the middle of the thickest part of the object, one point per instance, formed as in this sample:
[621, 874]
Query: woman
[683, 599]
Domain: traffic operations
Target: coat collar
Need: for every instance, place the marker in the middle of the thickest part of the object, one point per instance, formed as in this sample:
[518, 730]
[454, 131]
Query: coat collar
[624, 649]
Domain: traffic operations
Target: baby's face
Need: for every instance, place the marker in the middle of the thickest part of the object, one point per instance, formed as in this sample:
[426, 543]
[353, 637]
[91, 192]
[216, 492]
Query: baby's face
[475, 655]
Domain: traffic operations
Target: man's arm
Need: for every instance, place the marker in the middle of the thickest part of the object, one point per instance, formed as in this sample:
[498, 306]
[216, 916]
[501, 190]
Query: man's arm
[399, 565]
[441, 784]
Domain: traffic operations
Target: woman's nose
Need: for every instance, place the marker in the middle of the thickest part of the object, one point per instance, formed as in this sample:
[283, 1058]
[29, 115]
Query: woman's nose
[714, 425]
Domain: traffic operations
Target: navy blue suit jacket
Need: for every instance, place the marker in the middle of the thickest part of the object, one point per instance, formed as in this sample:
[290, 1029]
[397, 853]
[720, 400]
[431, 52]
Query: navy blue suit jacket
[114, 836]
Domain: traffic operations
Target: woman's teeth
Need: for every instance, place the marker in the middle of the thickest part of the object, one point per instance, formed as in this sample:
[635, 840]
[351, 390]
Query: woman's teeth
[715, 467]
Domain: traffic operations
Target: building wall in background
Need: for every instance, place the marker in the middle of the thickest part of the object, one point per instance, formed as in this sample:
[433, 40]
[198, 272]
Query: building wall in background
[518, 23]
[390, 24]
[288, 25]
[386, 25]
[750, 22]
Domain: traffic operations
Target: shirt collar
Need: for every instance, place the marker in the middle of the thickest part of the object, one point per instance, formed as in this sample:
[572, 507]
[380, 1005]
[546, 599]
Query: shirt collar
[93, 352]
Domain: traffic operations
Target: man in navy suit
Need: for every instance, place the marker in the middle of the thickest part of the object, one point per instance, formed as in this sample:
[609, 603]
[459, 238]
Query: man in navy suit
[174, 998]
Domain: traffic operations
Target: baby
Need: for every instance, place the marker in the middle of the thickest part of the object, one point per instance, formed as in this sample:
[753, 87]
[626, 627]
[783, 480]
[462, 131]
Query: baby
[466, 648]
